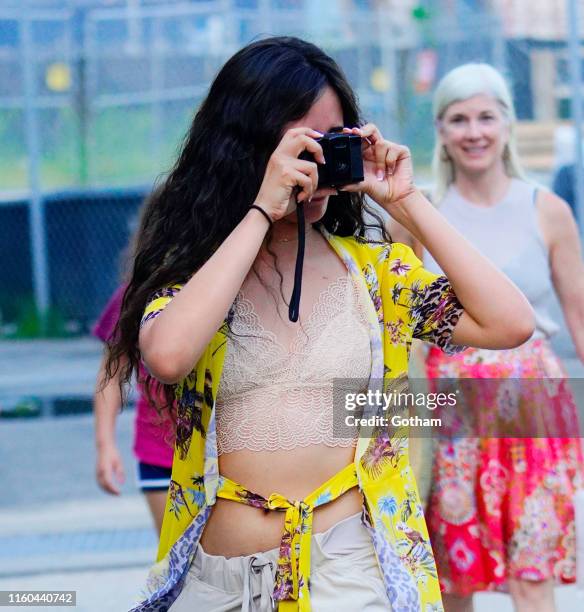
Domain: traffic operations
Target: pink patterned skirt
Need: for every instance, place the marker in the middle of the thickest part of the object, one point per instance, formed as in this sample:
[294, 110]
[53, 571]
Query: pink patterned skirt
[502, 507]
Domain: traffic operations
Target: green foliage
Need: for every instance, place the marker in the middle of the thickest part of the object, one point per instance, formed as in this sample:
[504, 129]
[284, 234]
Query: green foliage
[123, 146]
[421, 13]
[22, 407]
[28, 323]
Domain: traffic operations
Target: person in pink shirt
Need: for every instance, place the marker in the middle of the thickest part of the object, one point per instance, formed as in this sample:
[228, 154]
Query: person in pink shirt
[153, 432]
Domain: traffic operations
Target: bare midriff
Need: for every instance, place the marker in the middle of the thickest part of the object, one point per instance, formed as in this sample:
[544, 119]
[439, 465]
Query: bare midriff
[235, 529]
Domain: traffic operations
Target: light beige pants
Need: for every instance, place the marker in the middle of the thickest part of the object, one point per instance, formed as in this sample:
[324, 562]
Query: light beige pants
[344, 576]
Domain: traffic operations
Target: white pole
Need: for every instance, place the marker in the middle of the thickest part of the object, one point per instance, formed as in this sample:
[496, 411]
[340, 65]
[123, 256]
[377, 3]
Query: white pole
[157, 87]
[389, 63]
[36, 204]
[576, 78]
[134, 27]
[265, 17]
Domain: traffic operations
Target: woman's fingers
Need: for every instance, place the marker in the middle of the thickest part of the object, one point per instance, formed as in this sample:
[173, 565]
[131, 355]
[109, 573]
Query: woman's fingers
[375, 148]
[385, 154]
[382, 152]
[287, 175]
[400, 153]
[119, 473]
[106, 481]
[387, 165]
[370, 134]
[297, 140]
[110, 473]
[353, 187]
[302, 131]
[302, 174]
[306, 184]
[366, 144]
[391, 157]
[309, 169]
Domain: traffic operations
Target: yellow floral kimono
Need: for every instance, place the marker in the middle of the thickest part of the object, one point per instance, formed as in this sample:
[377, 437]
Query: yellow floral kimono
[406, 302]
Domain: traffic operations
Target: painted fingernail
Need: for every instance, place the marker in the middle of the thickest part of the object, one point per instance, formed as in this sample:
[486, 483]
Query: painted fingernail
[380, 175]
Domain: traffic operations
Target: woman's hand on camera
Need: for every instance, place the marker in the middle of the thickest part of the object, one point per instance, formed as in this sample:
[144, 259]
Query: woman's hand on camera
[387, 168]
[286, 175]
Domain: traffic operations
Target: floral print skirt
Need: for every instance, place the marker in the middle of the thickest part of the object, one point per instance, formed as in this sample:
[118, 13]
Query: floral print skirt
[502, 507]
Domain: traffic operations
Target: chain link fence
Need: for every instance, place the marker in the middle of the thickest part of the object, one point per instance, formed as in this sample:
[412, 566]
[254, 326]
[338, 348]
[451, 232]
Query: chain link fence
[94, 103]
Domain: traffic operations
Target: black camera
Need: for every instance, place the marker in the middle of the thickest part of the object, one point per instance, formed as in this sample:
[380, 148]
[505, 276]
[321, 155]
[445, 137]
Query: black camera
[344, 162]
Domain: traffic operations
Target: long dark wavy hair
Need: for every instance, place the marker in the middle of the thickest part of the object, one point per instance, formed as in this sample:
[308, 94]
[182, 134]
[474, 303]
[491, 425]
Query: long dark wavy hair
[262, 88]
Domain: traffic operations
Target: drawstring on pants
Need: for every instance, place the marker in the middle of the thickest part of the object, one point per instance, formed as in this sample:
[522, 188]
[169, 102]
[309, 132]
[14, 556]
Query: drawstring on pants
[263, 567]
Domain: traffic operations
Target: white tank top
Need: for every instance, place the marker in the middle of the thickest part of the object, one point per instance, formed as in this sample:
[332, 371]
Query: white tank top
[508, 234]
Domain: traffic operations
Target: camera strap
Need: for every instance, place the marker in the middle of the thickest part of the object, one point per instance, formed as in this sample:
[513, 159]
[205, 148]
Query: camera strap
[294, 308]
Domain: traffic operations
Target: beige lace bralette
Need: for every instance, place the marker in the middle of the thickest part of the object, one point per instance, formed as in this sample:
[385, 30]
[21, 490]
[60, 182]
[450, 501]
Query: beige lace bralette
[273, 399]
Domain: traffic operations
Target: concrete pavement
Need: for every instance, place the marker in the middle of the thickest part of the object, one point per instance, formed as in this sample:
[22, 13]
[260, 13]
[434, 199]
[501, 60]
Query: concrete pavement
[58, 530]
[48, 368]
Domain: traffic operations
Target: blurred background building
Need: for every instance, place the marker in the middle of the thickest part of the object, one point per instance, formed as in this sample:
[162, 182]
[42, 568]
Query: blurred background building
[95, 96]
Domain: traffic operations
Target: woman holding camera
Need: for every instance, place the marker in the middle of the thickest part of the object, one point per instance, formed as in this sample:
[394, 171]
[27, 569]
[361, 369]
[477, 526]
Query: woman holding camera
[266, 503]
[501, 512]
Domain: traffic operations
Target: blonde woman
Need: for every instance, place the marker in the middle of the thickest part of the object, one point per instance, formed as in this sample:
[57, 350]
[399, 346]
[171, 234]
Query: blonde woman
[500, 512]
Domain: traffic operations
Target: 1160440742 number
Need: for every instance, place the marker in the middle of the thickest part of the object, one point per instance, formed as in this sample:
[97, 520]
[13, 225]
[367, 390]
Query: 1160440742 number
[38, 598]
